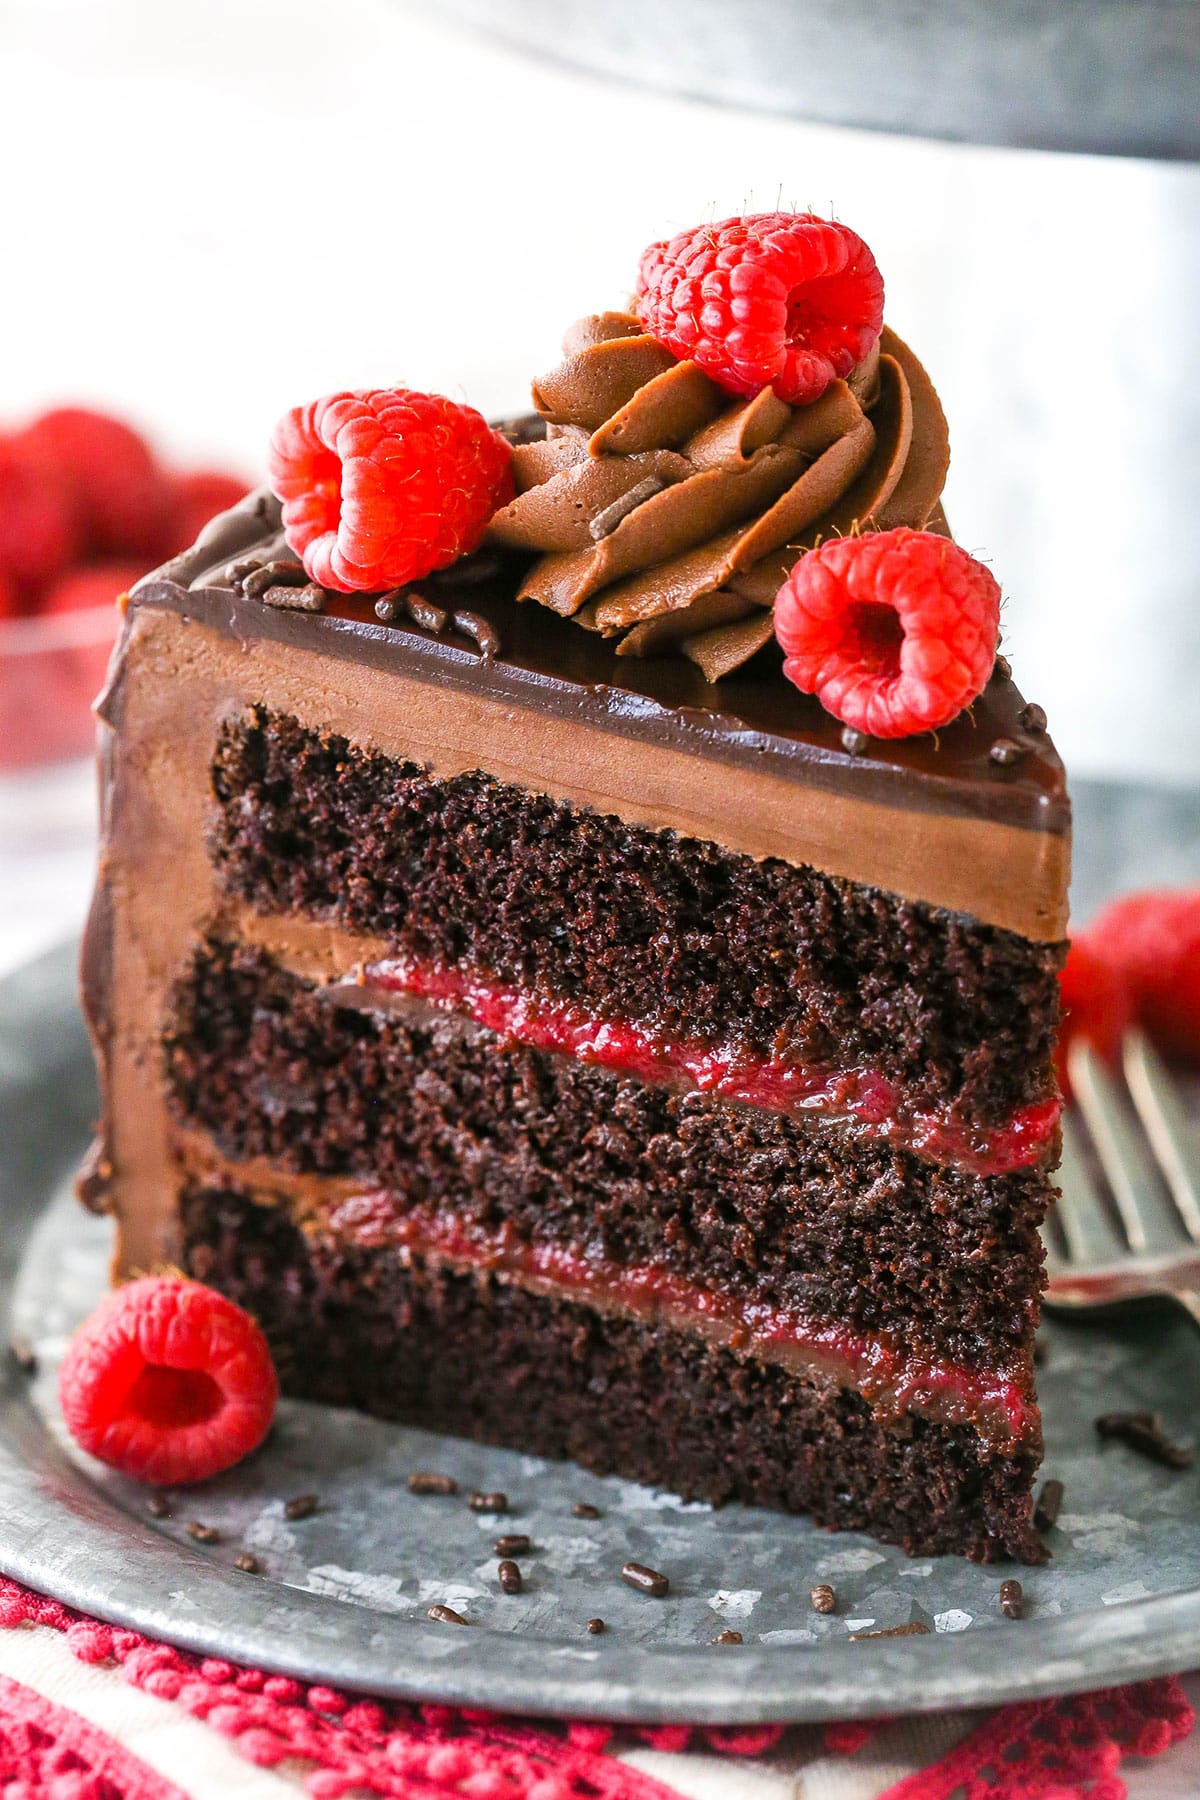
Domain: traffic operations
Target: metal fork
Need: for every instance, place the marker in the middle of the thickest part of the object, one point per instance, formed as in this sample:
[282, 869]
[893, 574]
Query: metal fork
[1128, 1224]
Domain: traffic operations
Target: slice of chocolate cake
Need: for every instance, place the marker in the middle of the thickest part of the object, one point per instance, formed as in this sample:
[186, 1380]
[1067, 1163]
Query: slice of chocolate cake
[554, 1026]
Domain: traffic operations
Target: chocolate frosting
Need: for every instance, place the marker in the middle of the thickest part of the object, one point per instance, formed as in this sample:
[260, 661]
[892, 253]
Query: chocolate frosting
[664, 516]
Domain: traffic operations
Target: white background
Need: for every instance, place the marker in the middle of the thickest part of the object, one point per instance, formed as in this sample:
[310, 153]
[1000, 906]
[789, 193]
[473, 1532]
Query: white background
[211, 211]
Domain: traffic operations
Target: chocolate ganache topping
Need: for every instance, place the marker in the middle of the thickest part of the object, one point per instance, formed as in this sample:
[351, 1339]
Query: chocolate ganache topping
[666, 515]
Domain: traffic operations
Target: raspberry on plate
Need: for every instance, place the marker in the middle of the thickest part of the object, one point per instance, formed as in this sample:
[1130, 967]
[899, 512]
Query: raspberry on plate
[168, 1381]
[1094, 1003]
[385, 485]
[1152, 941]
[120, 494]
[781, 300]
[894, 631]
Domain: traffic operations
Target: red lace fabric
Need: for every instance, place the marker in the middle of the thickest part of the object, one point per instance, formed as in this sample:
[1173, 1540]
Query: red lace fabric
[46, 1750]
[1056, 1750]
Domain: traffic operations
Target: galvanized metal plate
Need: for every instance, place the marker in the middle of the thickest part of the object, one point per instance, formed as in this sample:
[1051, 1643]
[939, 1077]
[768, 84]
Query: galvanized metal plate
[342, 1596]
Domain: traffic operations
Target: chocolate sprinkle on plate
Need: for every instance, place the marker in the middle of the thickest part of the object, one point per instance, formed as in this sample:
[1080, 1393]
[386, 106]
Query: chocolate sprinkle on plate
[303, 1506]
[583, 1509]
[203, 1534]
[424, 1483]
[646, 1581]
[1012, 1599]
[823, 1598]
[1144, 1433]
[445, 1615]
[514, 1544]
[595, 1626]
[1049, 1504]
[23, 1354]
[727, 1637]
[510, 1577]
[913, 1629]
[493, 1503]
[249, 1565]
[158, 1506]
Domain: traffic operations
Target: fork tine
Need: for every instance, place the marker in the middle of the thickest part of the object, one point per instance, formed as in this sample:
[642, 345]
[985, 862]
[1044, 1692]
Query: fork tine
[1150, 1222]
[1166, 1126]
[1080, 1211]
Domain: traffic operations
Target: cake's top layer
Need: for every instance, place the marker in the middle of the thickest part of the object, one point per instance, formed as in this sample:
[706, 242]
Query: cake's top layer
[994, 764]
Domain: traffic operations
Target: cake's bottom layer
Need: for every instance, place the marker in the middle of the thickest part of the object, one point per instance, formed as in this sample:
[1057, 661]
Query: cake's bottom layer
[471, 1355]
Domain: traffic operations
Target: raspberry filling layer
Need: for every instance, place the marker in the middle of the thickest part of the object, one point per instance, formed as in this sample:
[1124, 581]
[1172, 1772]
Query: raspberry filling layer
[893, 1378]
[778, 1084]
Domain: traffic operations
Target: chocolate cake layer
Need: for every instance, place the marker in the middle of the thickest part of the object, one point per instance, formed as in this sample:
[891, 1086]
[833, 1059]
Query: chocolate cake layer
[411, 1340]
[548, 1150]
[674, 933]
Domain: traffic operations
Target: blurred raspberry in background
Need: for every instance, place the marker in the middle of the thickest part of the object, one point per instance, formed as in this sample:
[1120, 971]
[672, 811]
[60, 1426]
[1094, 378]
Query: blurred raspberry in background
[86, 508]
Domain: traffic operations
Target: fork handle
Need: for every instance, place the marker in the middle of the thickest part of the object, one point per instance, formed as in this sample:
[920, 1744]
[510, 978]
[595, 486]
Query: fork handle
[1189, 1299]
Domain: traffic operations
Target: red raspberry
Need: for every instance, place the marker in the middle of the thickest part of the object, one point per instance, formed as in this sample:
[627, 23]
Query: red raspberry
[121, 496]
[778, 299]
[893, 631]
[37, 534]
[199, 496]
[94, 584]
[168, 1382]
[1152, 941]
[385, 485]
[1094, 1004]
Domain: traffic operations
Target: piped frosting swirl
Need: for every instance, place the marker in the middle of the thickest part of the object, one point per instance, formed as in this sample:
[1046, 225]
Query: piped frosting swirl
[666, 516]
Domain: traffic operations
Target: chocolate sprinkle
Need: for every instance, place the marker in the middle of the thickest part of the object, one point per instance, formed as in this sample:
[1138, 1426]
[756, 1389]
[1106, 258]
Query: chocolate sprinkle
[158, 1506]
[1012, 1600]
[823, 1598]
[258, 581]
[474, 625]
[303, 1506]
[646, 1581]
[583, 1509]
[446, 1615]
[249, 1565]
[727, 1637]
[23, 1354]
[854, 742]
[595, 1626]
[423, 1483]
[203, 1534]
[1032, 717]
[913, 1629]
[1004, 667]
[1049, 1504]
[515, 1544]
[236, 572]
[510, 1577]
[1144, 1433]
[385, 608]
[493, 1503]
[424, 613]
[309, 599]
[607, 520]
[1005, 752]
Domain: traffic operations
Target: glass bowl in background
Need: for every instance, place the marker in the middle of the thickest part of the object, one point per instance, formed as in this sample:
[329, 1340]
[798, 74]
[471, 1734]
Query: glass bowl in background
[52, 666]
